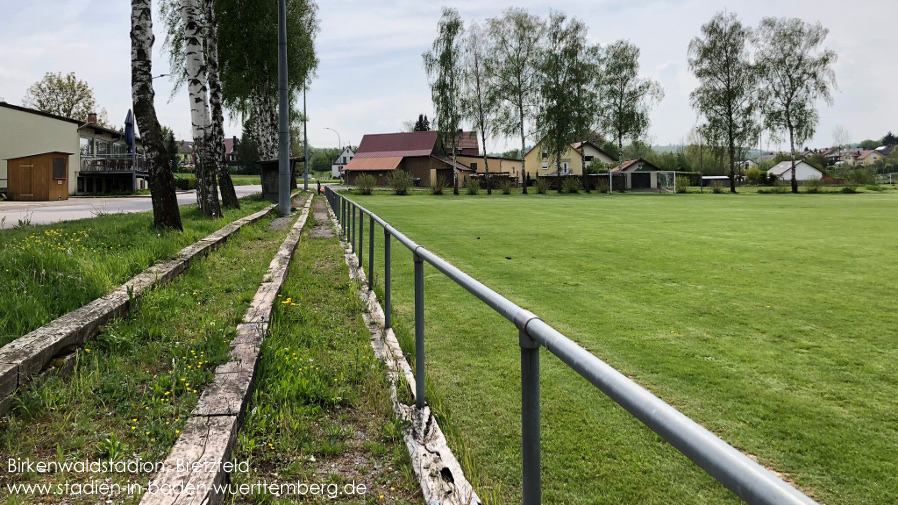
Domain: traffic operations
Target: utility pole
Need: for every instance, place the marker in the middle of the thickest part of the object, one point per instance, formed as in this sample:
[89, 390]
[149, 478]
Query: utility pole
[283, 115]
[305, 142]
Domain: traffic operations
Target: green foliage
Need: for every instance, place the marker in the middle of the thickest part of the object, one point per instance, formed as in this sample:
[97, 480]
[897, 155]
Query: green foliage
[571, 185]
[443, 66]
[625, 96]
[514, 154]
[438, 185]
[400, 181]
[506, 186]
[753, 175]
[717, 186]
[874, 187]
[422, 124]
[64, 95]
[472, 186]
[541, 185]
[322, 159]
[185, 182]
[611, 148]
[780, 186]
[869, 144]
[364, 184]
[889, 140]
[813, 184]
[682, 184]
[248, 155]
[817, 160]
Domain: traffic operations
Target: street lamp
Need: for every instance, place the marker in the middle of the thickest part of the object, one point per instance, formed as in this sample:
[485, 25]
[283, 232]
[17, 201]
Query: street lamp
[339, 141]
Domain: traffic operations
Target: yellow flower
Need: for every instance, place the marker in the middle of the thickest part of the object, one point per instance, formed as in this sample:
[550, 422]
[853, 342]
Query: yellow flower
[87, 351]
[177, 432]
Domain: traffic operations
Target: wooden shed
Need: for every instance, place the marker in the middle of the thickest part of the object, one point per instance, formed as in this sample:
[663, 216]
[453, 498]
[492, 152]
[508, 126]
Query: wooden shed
[39, 177]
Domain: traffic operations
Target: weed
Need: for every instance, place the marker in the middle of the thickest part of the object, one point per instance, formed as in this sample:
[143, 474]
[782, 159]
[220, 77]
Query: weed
[472, 186]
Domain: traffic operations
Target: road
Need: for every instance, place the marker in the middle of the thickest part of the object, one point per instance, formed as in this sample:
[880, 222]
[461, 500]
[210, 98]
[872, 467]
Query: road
[84, 207]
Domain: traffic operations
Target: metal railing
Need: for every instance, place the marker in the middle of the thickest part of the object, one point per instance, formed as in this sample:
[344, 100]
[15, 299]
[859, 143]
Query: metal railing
[750, 481]
[112, 163]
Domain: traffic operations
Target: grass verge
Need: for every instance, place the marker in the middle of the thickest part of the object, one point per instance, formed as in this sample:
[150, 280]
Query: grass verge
[49, 270]
[321, 410]
[768, 319]
[135, 385]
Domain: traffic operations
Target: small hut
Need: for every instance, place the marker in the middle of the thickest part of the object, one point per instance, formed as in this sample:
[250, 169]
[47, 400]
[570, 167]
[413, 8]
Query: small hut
[39, 177]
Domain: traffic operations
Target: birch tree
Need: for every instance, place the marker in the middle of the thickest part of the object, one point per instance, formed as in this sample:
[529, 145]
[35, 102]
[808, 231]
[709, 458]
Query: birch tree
[166, 213]
[443, 66]
[727, 93]
[479, 89]
[796, 72]
[626, 98]
[197, 88]
[568, 67]
[516, 45]
[217, 135]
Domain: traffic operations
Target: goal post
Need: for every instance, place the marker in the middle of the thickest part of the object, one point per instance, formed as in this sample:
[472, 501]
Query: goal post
[667, 181]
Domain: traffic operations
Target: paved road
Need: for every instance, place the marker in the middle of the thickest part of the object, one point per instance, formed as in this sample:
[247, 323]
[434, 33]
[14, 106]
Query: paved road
[83, 207]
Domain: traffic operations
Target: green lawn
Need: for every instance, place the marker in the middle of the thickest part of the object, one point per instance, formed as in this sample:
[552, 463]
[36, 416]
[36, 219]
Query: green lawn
[769, 319]
[246, 180]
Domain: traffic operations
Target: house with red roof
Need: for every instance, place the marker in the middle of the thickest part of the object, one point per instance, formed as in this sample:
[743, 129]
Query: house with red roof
[418, 153]
[640, 173]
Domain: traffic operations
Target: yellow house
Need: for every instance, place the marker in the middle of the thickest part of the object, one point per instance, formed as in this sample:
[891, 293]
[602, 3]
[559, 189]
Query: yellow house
[867, 158]
[574, 158]
[497, 164]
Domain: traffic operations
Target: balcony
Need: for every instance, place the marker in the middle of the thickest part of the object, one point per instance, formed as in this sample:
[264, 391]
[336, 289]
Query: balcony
[112, 164]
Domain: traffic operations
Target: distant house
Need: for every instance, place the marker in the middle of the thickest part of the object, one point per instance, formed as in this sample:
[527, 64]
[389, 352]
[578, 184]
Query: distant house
[868, 157]
[885, 150]
[345, 157]
[803, 171]
[99, 159]
[742, 166]
[417, 153]
[572, 161]
[641, 174]
[231, 146]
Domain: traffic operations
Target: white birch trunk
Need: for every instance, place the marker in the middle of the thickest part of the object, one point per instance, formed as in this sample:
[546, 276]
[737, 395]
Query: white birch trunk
[207, 193]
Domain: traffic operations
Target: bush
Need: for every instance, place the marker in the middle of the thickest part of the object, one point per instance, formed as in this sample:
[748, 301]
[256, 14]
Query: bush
[780, 186]
[771, 179]
[850, 187]
[437, 185]
[541, 185]
[506, 187]
[186, 182]
[602, 185]
[753, 175]
[717, 186]
[813, 184]
[571, 185]
[400, 181]
[874, 187]
[472, 186]
[364, 184]
[681, 185]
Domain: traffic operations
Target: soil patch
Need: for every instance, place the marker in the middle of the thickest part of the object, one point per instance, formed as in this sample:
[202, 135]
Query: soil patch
[323, 228]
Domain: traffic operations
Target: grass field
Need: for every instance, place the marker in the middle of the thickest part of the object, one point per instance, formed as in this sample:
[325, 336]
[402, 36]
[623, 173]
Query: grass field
[246, 180]
[769, 319]
[48, 270]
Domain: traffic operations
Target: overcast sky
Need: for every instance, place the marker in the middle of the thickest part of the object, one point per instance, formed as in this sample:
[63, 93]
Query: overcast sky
[371, 80]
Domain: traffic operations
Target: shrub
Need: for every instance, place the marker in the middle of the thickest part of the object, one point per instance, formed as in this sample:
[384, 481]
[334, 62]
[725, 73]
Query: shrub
[874, 187]
[753, 175]
[682, 184]
[779, 186]
[472, 186]
[813, 184]
[185, 182]
[541, 185]
[602, 185]
[437, 185]
[571, 185]
[850, 187]
[770, 179]
[364, 184]
[506, 187]
[400, 181]
[717, 186]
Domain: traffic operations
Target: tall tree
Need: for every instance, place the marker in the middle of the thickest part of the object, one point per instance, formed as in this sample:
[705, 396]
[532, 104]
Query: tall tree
[443, 66]
[626, 98]
[727, 91]
[568, 66]
[479, 98]
[64, 95]
[423, 124]
[166, 213]
[889, 139]
[796, 72]
[217, 148]
[516, 45]
[197, 88]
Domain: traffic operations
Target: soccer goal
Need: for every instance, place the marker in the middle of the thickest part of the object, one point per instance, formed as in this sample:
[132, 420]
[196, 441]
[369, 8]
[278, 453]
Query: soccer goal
[667, 181]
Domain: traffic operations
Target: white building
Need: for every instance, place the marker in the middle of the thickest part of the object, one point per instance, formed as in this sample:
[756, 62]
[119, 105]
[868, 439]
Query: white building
[803, 171]
[345, 157]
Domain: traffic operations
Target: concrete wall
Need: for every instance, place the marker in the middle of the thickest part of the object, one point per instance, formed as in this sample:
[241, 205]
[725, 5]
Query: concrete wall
[25, 134]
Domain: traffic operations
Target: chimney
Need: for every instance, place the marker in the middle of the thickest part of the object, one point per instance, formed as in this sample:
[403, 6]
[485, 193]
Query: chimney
[92, 118]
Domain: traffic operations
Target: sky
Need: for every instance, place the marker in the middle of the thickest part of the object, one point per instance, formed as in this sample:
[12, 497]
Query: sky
[371, 79]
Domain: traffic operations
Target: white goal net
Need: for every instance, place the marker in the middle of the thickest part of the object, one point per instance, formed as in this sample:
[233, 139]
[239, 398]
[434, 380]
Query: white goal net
[667, 181]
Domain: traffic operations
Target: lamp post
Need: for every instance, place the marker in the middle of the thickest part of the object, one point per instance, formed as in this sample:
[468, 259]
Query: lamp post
[283, 115]
[340, 146]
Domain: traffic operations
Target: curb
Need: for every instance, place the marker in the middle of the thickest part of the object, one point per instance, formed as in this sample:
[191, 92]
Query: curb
[438, 471]
[28, 355]
[196, 464]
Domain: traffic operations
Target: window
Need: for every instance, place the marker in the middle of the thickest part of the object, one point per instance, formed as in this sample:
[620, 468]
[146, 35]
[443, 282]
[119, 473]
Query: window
[564, 167]
[545, 166]
[59, 169]
[587, 158]
[102, 148]
[474, 166]
[545, 153]
[87, 146]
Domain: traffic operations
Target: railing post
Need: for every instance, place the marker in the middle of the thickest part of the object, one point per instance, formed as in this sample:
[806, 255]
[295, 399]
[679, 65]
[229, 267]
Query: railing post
[419, 332]
[371, 253]
[361, 239]
[530, 429]
[387, 322]
[343, 217]
[352, 219]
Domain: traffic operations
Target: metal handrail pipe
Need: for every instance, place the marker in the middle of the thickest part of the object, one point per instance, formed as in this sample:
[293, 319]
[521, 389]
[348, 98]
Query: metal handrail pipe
[750, 481]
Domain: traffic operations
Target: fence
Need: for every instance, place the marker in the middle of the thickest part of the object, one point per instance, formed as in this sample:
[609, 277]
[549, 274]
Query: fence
[748, 480]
